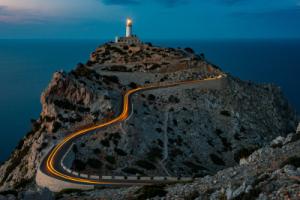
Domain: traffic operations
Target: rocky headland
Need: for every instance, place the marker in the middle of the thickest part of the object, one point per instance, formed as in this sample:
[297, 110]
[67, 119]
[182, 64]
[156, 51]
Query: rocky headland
[237, 139]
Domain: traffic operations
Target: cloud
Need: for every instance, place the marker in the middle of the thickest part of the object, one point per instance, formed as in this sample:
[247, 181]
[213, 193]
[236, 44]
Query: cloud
[120, 2]
[167, 3]
[285, 13]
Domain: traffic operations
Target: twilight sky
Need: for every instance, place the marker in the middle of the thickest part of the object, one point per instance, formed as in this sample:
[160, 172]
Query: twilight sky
[153, 19]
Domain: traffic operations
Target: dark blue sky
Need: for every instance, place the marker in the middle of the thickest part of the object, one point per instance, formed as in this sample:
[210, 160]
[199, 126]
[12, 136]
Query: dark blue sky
[153, 19]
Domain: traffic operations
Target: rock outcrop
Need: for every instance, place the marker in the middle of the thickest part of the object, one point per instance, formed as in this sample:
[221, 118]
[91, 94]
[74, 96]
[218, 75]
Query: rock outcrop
[184, 131]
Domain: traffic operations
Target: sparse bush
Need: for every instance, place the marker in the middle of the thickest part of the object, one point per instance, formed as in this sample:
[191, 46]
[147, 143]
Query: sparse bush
[225, 113]
[82, 71]
[154, 153]
[145, 164]
[151, 97]
[56, 126]
[9, 192]
[133, 85]
[227, 145]
[159, 130]
[216, 159]
[189, 50]
[105, 142]
[175, 152]
[78, 165]
[120, 152]
[111, 79]
[43, 146]
[23, 183]
[110, 159]
[94, 163]
[15, 161]
[65, 104]
[192, 196]
[131, 170]
[194, 167]
[147, 192]
[173, 99]
[97, 151]
[68, 191]
[154, 66]
[118, 68]
[294, 160]
[218, 131]
[244, 153]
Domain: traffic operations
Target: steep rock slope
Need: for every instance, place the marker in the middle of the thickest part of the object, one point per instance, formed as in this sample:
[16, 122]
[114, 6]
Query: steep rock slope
[183, 131]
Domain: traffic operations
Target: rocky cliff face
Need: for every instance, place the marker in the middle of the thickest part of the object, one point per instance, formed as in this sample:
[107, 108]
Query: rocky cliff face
[185, 131]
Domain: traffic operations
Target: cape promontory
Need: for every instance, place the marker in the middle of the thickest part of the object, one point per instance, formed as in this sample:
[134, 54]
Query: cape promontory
[215, 131]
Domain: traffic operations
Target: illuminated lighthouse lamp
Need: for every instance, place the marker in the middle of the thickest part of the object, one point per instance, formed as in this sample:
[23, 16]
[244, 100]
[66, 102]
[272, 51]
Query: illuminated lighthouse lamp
[129, 37]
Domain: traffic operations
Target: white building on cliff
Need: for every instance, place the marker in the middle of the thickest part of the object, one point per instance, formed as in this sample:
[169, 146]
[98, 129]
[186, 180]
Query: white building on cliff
[129, 37]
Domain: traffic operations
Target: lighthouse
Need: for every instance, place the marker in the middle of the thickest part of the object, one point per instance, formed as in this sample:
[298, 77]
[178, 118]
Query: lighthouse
[129, 37]
[128, 27]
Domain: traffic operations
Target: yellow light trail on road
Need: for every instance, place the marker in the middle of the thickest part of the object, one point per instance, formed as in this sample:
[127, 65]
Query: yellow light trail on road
[124, 115]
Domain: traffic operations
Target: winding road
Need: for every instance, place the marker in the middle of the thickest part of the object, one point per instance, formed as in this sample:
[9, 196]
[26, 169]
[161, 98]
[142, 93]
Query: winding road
[51, 163]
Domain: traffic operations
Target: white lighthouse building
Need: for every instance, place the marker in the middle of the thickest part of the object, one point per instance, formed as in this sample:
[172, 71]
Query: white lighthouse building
[128, 27]
[129, 38]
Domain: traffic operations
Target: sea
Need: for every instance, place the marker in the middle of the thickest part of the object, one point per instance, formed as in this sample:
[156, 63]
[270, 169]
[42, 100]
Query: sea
[27, 66]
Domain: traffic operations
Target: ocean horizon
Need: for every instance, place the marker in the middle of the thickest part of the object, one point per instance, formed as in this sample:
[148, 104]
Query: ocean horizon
[26, 68]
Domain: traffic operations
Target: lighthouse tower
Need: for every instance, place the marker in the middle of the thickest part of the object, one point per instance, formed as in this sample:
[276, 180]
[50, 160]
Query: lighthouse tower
[129, 38]
[128, 27]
